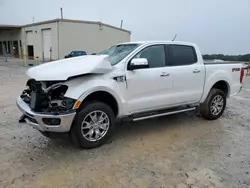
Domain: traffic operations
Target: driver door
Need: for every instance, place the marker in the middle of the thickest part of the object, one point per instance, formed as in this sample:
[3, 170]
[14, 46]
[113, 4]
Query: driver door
[148, 88]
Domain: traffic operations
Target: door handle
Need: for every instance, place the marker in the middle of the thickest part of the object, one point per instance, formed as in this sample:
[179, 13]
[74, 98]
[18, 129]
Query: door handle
[196, 71]
[164, 74]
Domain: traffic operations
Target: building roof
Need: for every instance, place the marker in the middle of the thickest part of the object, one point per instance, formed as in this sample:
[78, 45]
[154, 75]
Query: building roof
[75, 21]
[8, 27]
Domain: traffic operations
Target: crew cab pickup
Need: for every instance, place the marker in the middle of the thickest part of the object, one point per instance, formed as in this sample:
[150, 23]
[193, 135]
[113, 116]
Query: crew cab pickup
[83, 96]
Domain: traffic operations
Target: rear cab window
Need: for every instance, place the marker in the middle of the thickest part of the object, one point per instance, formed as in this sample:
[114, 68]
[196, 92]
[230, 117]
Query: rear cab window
[179, 55]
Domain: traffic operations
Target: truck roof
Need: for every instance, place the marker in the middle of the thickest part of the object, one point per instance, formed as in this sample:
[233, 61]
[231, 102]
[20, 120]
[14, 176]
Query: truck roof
[163, 41]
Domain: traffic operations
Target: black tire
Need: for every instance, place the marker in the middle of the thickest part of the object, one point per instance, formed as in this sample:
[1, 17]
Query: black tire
[76, 130]
[205, 108]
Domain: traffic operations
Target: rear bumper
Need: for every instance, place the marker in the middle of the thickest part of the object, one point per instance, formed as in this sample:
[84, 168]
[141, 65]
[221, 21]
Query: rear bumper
[36, 119]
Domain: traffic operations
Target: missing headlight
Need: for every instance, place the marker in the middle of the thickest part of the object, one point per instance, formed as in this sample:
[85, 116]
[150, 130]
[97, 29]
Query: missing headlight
[58, 92]
[68, 102]
[47, 96]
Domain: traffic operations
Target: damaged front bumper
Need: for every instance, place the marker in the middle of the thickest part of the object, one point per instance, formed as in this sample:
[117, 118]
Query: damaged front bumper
[46, 121]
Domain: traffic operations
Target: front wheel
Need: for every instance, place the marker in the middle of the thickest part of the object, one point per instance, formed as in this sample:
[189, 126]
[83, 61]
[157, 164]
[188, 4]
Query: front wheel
[214, 105]
[93, 125]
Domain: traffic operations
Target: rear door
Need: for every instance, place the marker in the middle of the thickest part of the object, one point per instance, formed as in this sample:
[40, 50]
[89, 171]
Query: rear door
[148, 88]
[188, 73]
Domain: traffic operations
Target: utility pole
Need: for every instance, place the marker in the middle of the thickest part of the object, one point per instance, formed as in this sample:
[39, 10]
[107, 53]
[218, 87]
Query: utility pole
[121, 24]
[61, 13]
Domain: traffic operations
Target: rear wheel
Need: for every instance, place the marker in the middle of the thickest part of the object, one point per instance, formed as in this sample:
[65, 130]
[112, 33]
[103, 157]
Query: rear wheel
[93, 125]
[214, 105]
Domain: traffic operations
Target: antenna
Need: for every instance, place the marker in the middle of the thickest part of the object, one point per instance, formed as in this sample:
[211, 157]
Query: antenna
[100, 17]
[61, 13]
[174, 37]
[121, 23]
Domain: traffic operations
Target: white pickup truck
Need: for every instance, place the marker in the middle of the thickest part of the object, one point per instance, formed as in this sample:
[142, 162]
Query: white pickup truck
[83, 96]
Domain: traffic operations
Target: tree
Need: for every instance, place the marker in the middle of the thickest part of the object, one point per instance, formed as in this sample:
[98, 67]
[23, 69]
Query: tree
[245, 57]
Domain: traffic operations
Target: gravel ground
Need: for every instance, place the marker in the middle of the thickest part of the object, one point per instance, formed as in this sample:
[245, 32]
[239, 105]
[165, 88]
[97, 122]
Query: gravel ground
[176, 151]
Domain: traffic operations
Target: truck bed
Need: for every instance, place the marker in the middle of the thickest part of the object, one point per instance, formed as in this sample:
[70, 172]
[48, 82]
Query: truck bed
[227, 71]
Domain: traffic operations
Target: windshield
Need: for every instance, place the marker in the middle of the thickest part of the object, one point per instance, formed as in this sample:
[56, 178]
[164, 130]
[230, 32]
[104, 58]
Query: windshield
[118, 52]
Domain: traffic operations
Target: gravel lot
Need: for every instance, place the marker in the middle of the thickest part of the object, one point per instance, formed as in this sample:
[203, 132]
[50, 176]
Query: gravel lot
[176, 151]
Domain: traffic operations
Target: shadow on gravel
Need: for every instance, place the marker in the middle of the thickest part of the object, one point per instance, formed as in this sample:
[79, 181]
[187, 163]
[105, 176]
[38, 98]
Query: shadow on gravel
[133, 129]
[156, 125]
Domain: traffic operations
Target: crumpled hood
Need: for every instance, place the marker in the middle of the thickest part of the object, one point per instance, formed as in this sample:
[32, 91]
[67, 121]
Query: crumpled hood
[65, 68]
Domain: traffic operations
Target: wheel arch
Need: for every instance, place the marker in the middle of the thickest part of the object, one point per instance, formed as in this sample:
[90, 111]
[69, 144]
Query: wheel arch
[221, 84]
[108, 97]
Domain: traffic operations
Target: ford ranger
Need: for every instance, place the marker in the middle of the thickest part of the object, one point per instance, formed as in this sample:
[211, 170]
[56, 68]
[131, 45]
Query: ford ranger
[84, 96]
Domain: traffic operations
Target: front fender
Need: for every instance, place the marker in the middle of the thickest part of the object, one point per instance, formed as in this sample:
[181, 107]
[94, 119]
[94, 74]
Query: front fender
[80, 88]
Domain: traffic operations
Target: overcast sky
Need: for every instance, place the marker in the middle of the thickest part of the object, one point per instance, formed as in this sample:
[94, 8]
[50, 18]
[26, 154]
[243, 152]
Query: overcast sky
[217, 26]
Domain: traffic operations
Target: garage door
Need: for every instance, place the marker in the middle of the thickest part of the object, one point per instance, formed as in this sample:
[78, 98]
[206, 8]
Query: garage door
[47, 46]
[29, 38]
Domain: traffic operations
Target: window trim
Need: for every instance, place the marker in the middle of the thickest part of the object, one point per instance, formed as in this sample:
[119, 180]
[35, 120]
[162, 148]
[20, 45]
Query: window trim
[168, 52]
[164, 48]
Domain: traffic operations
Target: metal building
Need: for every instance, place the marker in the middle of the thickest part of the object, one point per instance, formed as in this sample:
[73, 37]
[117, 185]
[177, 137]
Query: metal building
[53, 39]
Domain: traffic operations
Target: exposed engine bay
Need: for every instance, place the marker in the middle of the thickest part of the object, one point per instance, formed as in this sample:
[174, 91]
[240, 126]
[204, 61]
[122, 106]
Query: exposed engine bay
[47, 96]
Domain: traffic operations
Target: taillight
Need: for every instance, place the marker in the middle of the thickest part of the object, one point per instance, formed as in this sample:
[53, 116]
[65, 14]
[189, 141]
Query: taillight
[241, 74]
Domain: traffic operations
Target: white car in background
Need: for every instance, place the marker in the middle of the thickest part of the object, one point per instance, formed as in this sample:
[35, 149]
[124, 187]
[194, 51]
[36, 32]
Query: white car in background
[218, 61]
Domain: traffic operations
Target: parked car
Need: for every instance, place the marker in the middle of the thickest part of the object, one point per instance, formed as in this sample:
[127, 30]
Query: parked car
[218, 61]
[75, 54]
[135, 81]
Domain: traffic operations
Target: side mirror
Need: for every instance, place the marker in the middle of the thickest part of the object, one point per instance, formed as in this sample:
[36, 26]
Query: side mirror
[138, 63]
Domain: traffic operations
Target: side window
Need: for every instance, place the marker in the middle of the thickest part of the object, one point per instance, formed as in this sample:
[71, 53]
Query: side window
[154, 54]
[181, 55]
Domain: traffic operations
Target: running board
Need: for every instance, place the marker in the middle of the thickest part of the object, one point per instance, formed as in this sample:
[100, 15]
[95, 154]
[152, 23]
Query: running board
[163, 114]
